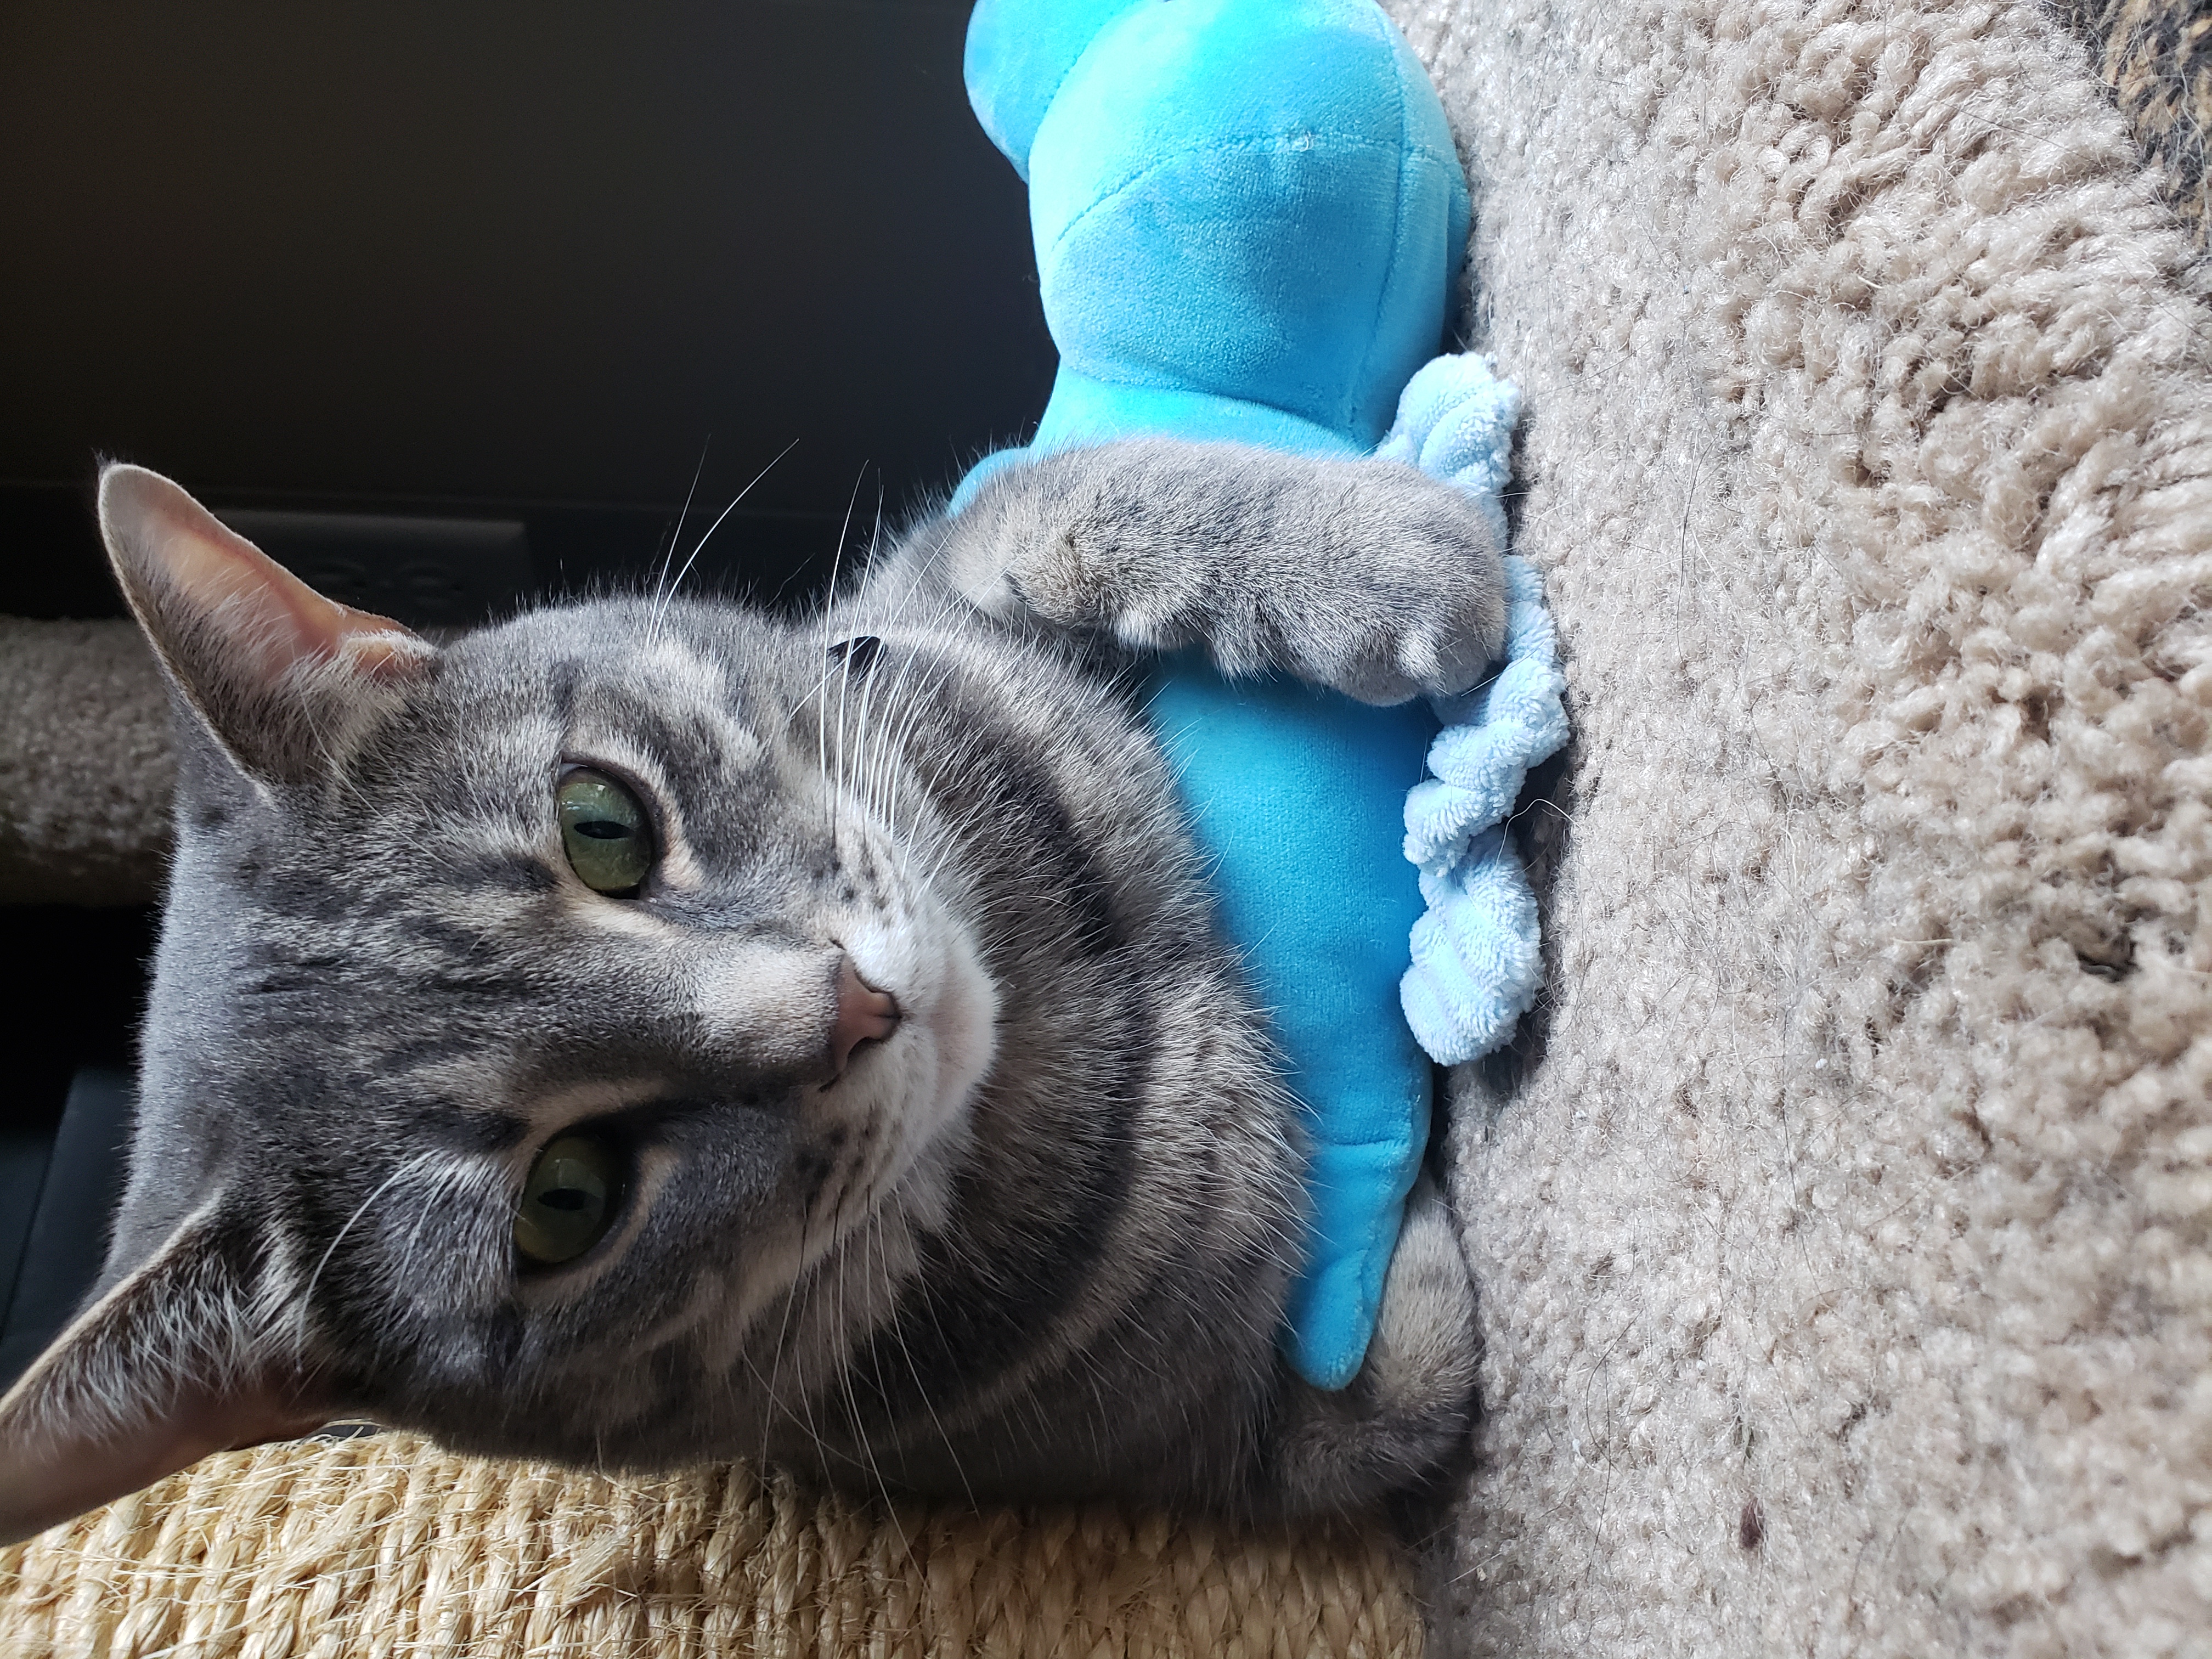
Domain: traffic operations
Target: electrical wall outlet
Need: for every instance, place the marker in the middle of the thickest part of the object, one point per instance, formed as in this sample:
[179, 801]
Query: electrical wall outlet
[427, 573]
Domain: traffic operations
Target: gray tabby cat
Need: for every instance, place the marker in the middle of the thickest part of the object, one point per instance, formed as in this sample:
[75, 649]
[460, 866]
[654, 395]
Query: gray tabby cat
[648, 1031]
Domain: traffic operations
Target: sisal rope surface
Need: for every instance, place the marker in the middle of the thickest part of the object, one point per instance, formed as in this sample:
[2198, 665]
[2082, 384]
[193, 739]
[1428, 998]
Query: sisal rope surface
[385, 1547]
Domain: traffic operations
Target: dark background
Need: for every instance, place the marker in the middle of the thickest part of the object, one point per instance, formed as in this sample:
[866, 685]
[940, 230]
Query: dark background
[507, 258]
[468, 259]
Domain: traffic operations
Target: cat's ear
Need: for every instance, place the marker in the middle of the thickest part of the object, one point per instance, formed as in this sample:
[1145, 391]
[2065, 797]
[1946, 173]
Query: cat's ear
[281, 675]
[162, 1370]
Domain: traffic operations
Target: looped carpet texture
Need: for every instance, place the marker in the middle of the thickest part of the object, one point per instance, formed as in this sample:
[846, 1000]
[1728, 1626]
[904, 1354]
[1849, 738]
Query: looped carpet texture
[386, 1546]
[1844, 1229]
[86, 769]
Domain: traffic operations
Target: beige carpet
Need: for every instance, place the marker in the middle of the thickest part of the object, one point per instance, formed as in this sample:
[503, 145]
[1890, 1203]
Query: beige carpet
[1845, 1237]
[85, 767]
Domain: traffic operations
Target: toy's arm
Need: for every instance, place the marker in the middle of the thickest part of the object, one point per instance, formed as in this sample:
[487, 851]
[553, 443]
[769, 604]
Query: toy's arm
[1366, 576]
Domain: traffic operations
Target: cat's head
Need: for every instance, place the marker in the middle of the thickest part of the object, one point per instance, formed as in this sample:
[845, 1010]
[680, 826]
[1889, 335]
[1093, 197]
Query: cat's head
[530, 1012]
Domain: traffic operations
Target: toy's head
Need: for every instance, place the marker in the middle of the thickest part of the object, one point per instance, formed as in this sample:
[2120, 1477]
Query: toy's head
[1247, 213]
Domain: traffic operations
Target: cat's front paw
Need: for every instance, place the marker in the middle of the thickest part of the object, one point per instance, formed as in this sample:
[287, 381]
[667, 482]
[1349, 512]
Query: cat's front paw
[1412, 601]
[1369, 577]
[1055, 540]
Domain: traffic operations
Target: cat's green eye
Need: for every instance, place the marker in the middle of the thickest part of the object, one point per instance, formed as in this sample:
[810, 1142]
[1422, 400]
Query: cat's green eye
[603, 832]
[569, 1201]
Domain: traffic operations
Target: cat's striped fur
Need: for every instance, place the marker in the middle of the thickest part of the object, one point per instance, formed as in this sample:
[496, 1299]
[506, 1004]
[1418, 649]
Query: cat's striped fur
[1034, 1244]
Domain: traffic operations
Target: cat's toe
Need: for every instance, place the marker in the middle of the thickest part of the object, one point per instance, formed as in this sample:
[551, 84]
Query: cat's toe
[1447, 655]
[1432, 586]
[1431, 633]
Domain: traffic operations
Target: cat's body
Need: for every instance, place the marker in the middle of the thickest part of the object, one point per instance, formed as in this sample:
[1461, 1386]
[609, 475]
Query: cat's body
[947, 1147]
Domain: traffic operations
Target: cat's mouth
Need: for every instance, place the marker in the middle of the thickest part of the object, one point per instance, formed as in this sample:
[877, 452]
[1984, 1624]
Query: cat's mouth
[865, 1014]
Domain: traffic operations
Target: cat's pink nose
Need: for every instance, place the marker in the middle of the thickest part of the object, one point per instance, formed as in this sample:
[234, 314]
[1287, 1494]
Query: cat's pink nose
[864, 1014]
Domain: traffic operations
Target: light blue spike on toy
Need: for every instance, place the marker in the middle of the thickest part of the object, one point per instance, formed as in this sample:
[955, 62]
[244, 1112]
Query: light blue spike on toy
[1455, 421]
[1477, 961]
[1512, 721]
[1477, 958]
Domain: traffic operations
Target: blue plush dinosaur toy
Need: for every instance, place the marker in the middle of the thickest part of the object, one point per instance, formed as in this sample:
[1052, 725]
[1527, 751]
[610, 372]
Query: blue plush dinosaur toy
[1248, 216]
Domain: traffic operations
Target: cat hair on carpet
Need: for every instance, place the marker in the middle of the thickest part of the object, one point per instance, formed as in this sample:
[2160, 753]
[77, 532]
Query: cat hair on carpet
[85, 765]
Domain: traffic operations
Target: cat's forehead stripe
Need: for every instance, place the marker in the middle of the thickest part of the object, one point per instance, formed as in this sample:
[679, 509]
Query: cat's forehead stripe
[675, 703]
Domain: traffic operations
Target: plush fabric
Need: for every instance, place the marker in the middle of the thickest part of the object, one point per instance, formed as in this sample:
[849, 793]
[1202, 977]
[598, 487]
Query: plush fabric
[1247, 216]
[1844, 1229]
[1224, 252]
[1477, 959]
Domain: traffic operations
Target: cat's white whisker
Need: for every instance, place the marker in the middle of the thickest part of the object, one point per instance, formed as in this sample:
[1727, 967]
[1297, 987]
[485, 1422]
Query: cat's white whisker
[676, 532]
[829, 609]
[669, 595]
[404, 1168]
[856, 1334]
